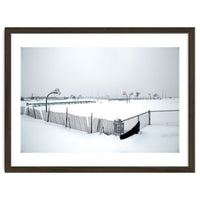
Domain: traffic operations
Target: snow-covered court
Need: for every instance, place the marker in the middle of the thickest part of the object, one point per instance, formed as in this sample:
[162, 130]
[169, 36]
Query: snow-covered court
[162, 136]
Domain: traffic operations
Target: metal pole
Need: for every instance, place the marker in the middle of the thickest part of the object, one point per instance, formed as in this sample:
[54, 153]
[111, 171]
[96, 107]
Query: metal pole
[34, 112]
[66, 115]
[28, 110]
[149, 117]
[46, 103]
[47, 98]
[48, 114]
[91, 121]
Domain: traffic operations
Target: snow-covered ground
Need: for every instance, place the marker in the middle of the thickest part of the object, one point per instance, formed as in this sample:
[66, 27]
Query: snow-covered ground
[41, 137]
[162, 136]
[113, 109]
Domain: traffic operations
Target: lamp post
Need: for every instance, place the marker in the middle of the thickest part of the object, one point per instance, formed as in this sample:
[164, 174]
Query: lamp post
[56, 91]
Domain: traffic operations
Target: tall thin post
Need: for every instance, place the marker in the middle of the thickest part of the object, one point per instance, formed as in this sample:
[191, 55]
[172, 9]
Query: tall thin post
[34, 111]
[66, 115]
[48, 114]
[149, 117]
[28, 110]
[47, 98]
[46, 101]
[91, 121]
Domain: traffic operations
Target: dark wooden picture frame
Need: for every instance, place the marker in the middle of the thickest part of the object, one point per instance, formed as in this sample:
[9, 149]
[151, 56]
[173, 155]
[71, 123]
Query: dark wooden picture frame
[191, 99]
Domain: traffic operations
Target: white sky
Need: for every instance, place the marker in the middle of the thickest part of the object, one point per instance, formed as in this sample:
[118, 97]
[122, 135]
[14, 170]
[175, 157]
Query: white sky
[99, 71]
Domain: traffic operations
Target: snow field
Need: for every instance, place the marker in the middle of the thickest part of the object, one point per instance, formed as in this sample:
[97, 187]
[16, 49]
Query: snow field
[42, 137]
[162, 136]
[113, 109]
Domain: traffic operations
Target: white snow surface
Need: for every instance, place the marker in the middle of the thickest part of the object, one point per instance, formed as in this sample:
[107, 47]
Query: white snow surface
[38, 136]
[113, 109]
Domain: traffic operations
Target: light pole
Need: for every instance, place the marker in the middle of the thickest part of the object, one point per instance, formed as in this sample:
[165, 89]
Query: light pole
[56, 91]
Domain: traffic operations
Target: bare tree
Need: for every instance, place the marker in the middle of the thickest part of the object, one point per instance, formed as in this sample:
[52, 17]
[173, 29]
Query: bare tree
[72, 97]
[137, 94]
[79, 97]
[156, 96]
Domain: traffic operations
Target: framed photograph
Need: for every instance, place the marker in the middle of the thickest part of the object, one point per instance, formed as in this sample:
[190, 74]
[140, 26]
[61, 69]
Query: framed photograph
[100, 99]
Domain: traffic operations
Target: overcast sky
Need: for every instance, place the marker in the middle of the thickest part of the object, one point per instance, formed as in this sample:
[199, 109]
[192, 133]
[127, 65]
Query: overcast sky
[99, 71]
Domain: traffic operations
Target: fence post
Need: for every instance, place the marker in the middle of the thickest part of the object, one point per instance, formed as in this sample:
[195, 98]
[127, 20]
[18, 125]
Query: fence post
[48, 114]
[34, 112]
[118, 126]
[28, 110]
[149, 117]
[98, 125]
[91, 121]
[66, 115]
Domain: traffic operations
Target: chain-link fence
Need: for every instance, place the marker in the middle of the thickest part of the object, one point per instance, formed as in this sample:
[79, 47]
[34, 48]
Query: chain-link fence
[32, 112]
[130, 122]
[93, 125]
[101, 125]
[87, 124]
[154, 117]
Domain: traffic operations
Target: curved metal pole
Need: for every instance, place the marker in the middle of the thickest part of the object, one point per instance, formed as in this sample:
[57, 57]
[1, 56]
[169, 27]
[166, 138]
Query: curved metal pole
[47, 98]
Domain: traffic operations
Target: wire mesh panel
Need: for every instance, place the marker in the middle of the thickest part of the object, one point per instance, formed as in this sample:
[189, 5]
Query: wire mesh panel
[77, 122]
[101, 125]
[144, 119]
[130, 123]
[170, 118]
[107, 126]
[45, 115]
[38, 114]
[58, 118]
[30, 112]
[69, 120]
[95, 123]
